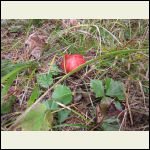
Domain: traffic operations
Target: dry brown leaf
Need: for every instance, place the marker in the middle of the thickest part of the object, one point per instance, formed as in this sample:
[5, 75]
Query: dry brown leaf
[69, 22]
[34, 44]
[99, 115]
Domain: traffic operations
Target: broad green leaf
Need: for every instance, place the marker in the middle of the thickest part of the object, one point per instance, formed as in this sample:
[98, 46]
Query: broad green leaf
[54, 70]
[107, 82]
[62, 94]
[49, 116]
[6, 67]
[115, 89]
[17, 70]
[110, 124]
[97, 87]
[63, 115]
[7, 86]
[44, 80]
[6, 107]
[35, 94]
[36, 120]
[48, 120]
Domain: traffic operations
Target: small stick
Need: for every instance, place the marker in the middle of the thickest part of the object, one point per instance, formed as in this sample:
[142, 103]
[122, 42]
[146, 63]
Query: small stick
[127, 102]
[123, 121]
[142, 94]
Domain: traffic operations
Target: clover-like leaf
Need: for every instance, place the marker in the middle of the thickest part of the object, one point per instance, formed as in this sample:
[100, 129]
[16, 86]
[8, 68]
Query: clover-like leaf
[62, 94]
[54, 70]
[97, 87]
[63, 115]
[115, 89]
[44, 80]
[110, 124]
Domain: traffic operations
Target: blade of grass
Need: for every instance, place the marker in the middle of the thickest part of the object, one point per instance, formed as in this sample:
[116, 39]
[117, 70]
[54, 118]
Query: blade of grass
[35, 94]
[75, 112]
[7, 86]
[17, 70]
[26, 88]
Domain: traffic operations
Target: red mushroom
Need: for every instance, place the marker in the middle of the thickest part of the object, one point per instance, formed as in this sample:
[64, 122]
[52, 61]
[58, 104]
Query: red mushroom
[72, 61]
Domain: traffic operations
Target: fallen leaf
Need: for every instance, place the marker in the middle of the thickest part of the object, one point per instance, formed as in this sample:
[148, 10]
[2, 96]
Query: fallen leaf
[99, 115]
[69, 22]
[36, 52]
[105, 104]
[34, 44]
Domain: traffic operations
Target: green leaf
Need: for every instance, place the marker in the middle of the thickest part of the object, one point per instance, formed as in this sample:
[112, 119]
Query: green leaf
[48, 120]
[6, 67]
[6, 107]
[44, 80]
[7, 86]
[118, 105]
[107, 82]
[146, 90]
[35, 94]
[51, 104]
[127, 34]
[62, 94]
[36, 119]
[17, 70]
[97, 87]
[37, 22]
[54, 70]
[15, 29]
[63, 115]
[115, 89]
[110, 124]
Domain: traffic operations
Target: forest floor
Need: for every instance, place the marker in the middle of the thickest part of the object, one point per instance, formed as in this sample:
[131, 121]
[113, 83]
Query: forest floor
[109, 93]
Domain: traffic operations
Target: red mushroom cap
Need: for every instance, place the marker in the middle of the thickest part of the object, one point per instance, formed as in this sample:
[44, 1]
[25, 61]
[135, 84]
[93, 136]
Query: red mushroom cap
[72, 61]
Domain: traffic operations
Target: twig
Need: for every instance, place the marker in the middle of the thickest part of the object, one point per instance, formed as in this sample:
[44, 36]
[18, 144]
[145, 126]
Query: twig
[64, 108]
[147, 73]
[127, 102]
[142, 94]
[123, 120]
[83, 114]
[100, 44]
[81, 79]
[75, 112]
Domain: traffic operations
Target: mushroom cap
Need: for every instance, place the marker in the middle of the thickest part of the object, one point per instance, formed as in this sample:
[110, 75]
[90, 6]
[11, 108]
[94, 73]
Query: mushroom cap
[72, 61]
